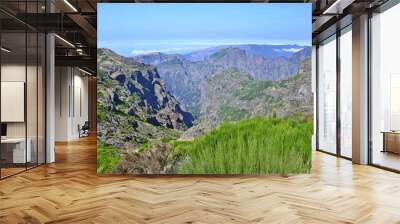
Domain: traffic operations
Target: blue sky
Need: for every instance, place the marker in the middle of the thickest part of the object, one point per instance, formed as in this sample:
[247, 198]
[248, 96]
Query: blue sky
[132, 29]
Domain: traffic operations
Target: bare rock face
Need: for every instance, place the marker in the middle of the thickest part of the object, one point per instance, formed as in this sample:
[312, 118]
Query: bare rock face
[129, 92]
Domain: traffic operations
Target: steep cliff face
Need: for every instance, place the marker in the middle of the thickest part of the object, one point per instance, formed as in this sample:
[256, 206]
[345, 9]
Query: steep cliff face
[233, 95]
[132, 95]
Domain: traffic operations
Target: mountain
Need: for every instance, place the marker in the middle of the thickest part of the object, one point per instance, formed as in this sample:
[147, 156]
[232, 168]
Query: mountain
[257, 66]
[267, 51]
[233, 95]
[263, 62]
[142, 105]
[157, 58]
[301, 55]
[133, 103]
[183, 75]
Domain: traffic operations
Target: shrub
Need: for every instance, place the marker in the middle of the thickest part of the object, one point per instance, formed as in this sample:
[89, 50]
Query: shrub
[254, 146]
[107, 158]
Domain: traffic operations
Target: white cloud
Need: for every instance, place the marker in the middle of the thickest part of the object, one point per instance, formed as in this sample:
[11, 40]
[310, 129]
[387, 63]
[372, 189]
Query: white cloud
[165, 50]
[292, 49]
[137, 52]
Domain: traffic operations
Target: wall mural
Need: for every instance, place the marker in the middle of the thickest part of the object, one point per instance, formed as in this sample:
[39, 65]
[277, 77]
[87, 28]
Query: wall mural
[204, 88]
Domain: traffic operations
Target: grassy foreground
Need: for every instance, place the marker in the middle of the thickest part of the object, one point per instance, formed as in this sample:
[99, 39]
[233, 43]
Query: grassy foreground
[107, 158]
[254, 146]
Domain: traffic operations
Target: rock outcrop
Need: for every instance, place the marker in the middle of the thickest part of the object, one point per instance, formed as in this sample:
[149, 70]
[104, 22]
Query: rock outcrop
[133, 103]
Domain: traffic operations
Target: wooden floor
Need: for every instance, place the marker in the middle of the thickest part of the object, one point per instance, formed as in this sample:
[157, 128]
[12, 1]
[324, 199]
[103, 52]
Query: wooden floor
[69, 191]
[5, 172]
[387, 159]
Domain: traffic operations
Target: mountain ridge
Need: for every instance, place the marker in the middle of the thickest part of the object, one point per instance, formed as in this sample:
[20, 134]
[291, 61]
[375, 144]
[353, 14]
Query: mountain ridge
[265, 50]
[183, 77]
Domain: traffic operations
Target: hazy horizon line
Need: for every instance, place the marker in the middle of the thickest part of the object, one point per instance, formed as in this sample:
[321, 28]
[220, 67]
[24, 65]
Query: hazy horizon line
[191, 49]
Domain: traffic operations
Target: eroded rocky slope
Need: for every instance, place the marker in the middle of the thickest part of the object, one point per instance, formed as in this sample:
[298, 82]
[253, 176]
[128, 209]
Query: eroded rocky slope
[133, 103]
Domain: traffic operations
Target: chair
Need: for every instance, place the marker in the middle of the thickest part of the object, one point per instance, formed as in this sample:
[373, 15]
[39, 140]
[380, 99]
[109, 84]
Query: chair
[84, 130]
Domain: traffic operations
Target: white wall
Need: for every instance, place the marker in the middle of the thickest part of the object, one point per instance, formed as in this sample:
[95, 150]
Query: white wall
[70, 83]
[17, 73]
[13, 72]
[62, 81]
[79, 117]
[10, 73]
[33, 126]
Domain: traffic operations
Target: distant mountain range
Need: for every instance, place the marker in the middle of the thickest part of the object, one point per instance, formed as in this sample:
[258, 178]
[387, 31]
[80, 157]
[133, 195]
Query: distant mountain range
[183, 74]
[267, 51]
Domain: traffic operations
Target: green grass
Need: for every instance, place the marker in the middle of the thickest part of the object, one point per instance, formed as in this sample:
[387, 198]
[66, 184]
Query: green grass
[144, 146]
[107, 158]
[101, 113]
[254, 146]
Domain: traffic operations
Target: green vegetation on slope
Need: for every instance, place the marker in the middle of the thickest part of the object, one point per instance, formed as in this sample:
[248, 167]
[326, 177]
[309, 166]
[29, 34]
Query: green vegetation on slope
[173, 62]
[107, 158]
[219, 54]
[101, 113]
[255, 146]
[194, 110]
[229, 113]
[286, 82]
[251, 89]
